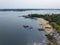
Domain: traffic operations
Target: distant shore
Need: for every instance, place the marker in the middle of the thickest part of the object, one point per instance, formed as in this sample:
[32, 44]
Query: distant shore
[25, 9]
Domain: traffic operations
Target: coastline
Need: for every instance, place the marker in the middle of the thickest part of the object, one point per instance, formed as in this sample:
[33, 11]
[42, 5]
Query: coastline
[49, 32]
[50, 26]
[46, 26]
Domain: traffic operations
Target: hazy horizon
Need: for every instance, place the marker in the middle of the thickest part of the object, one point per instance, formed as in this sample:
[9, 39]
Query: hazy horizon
[29, 4]
[29, 8]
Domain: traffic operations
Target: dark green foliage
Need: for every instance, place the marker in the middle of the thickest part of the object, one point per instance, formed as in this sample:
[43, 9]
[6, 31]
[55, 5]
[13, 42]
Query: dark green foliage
[55, 25]
[54, 19]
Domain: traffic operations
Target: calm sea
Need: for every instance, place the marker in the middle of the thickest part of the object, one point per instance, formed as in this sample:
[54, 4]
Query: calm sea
[12, 31]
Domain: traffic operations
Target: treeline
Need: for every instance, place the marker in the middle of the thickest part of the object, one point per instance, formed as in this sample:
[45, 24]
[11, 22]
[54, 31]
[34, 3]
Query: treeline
[12, 10]
[17, 9]
[54, 19]
[24, 9]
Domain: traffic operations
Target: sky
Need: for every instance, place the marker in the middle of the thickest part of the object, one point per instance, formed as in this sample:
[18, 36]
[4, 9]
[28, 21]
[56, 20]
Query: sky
[29, 4]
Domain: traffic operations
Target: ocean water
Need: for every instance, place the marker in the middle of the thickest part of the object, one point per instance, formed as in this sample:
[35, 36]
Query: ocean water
[12, 31]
